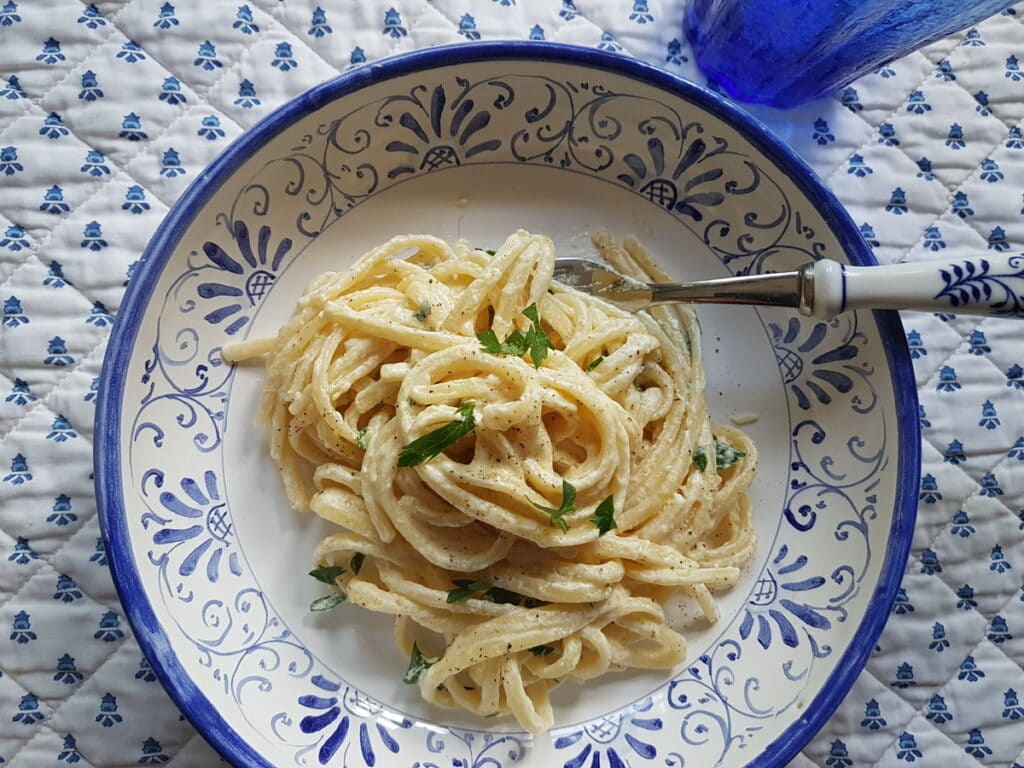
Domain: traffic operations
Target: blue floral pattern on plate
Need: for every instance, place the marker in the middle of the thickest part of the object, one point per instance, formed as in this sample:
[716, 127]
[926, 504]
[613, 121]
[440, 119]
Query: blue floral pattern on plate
[780, 646]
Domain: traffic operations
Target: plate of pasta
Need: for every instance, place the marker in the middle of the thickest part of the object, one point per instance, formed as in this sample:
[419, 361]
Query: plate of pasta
[377, 489]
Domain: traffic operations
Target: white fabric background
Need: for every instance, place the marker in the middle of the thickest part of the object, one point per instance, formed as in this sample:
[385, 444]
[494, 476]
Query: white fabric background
[108, 111]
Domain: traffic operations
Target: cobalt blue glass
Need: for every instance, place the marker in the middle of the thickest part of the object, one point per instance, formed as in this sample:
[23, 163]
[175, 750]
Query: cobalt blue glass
[785, 52]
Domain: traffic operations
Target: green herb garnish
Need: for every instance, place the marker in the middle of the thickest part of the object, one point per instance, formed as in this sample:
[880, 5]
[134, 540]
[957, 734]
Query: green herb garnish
[700, 459]
[423, 312]
[489, 252]
[726, 455]
[604, 516]
[595, 362]
[507, 596]
[327, 574]
[466, 588]
[327, 602]
[541, 650]
[357, 562]
[568, 505]
[418, 664]
[516, 344]
[361, 438]
[539, 341]
[535, 341]
[431, 444]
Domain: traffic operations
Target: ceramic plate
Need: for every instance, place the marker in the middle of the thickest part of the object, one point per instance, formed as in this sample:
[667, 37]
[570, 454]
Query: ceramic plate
[475, 141]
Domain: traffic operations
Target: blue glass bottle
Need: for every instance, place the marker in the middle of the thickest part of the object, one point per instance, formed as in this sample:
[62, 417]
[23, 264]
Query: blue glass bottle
[785, 52]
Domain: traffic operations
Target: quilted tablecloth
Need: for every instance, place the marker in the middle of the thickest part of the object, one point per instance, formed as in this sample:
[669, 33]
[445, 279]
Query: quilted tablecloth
[109, 110]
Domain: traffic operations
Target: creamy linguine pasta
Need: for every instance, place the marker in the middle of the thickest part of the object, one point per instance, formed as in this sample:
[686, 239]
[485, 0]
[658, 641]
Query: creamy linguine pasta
[520, 473]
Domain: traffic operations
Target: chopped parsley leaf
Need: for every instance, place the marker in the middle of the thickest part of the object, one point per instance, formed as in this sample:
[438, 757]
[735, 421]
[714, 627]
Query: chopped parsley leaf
[431, 444]
[327, 602]
[423, 312]
[595, 362]
[499, 595]
[726, 455]
[700, 459]
[418, 664]
[604, 516]
[541, 650]
[361, 438]
[539, 341]
[465, 589]
[327, 574]
[516, 344]
[568, 505]
[535, 341]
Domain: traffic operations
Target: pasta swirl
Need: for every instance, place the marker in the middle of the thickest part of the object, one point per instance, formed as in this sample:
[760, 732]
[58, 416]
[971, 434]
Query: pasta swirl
[581, 484]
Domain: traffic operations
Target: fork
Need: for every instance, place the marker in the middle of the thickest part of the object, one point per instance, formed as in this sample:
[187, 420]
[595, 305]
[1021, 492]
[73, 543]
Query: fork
[989, 285]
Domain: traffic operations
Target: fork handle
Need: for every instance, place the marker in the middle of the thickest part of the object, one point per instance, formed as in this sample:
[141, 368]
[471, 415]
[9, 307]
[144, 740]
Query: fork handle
[987, 285]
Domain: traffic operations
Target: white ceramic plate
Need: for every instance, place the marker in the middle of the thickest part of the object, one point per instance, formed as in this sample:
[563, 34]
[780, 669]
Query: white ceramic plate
[475, 141]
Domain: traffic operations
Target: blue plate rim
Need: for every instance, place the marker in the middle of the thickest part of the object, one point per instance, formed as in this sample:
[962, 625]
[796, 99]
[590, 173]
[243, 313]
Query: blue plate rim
[192, 702]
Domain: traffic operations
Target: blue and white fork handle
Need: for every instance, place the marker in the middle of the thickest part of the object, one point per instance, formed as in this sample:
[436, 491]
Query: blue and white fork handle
[988, 285]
